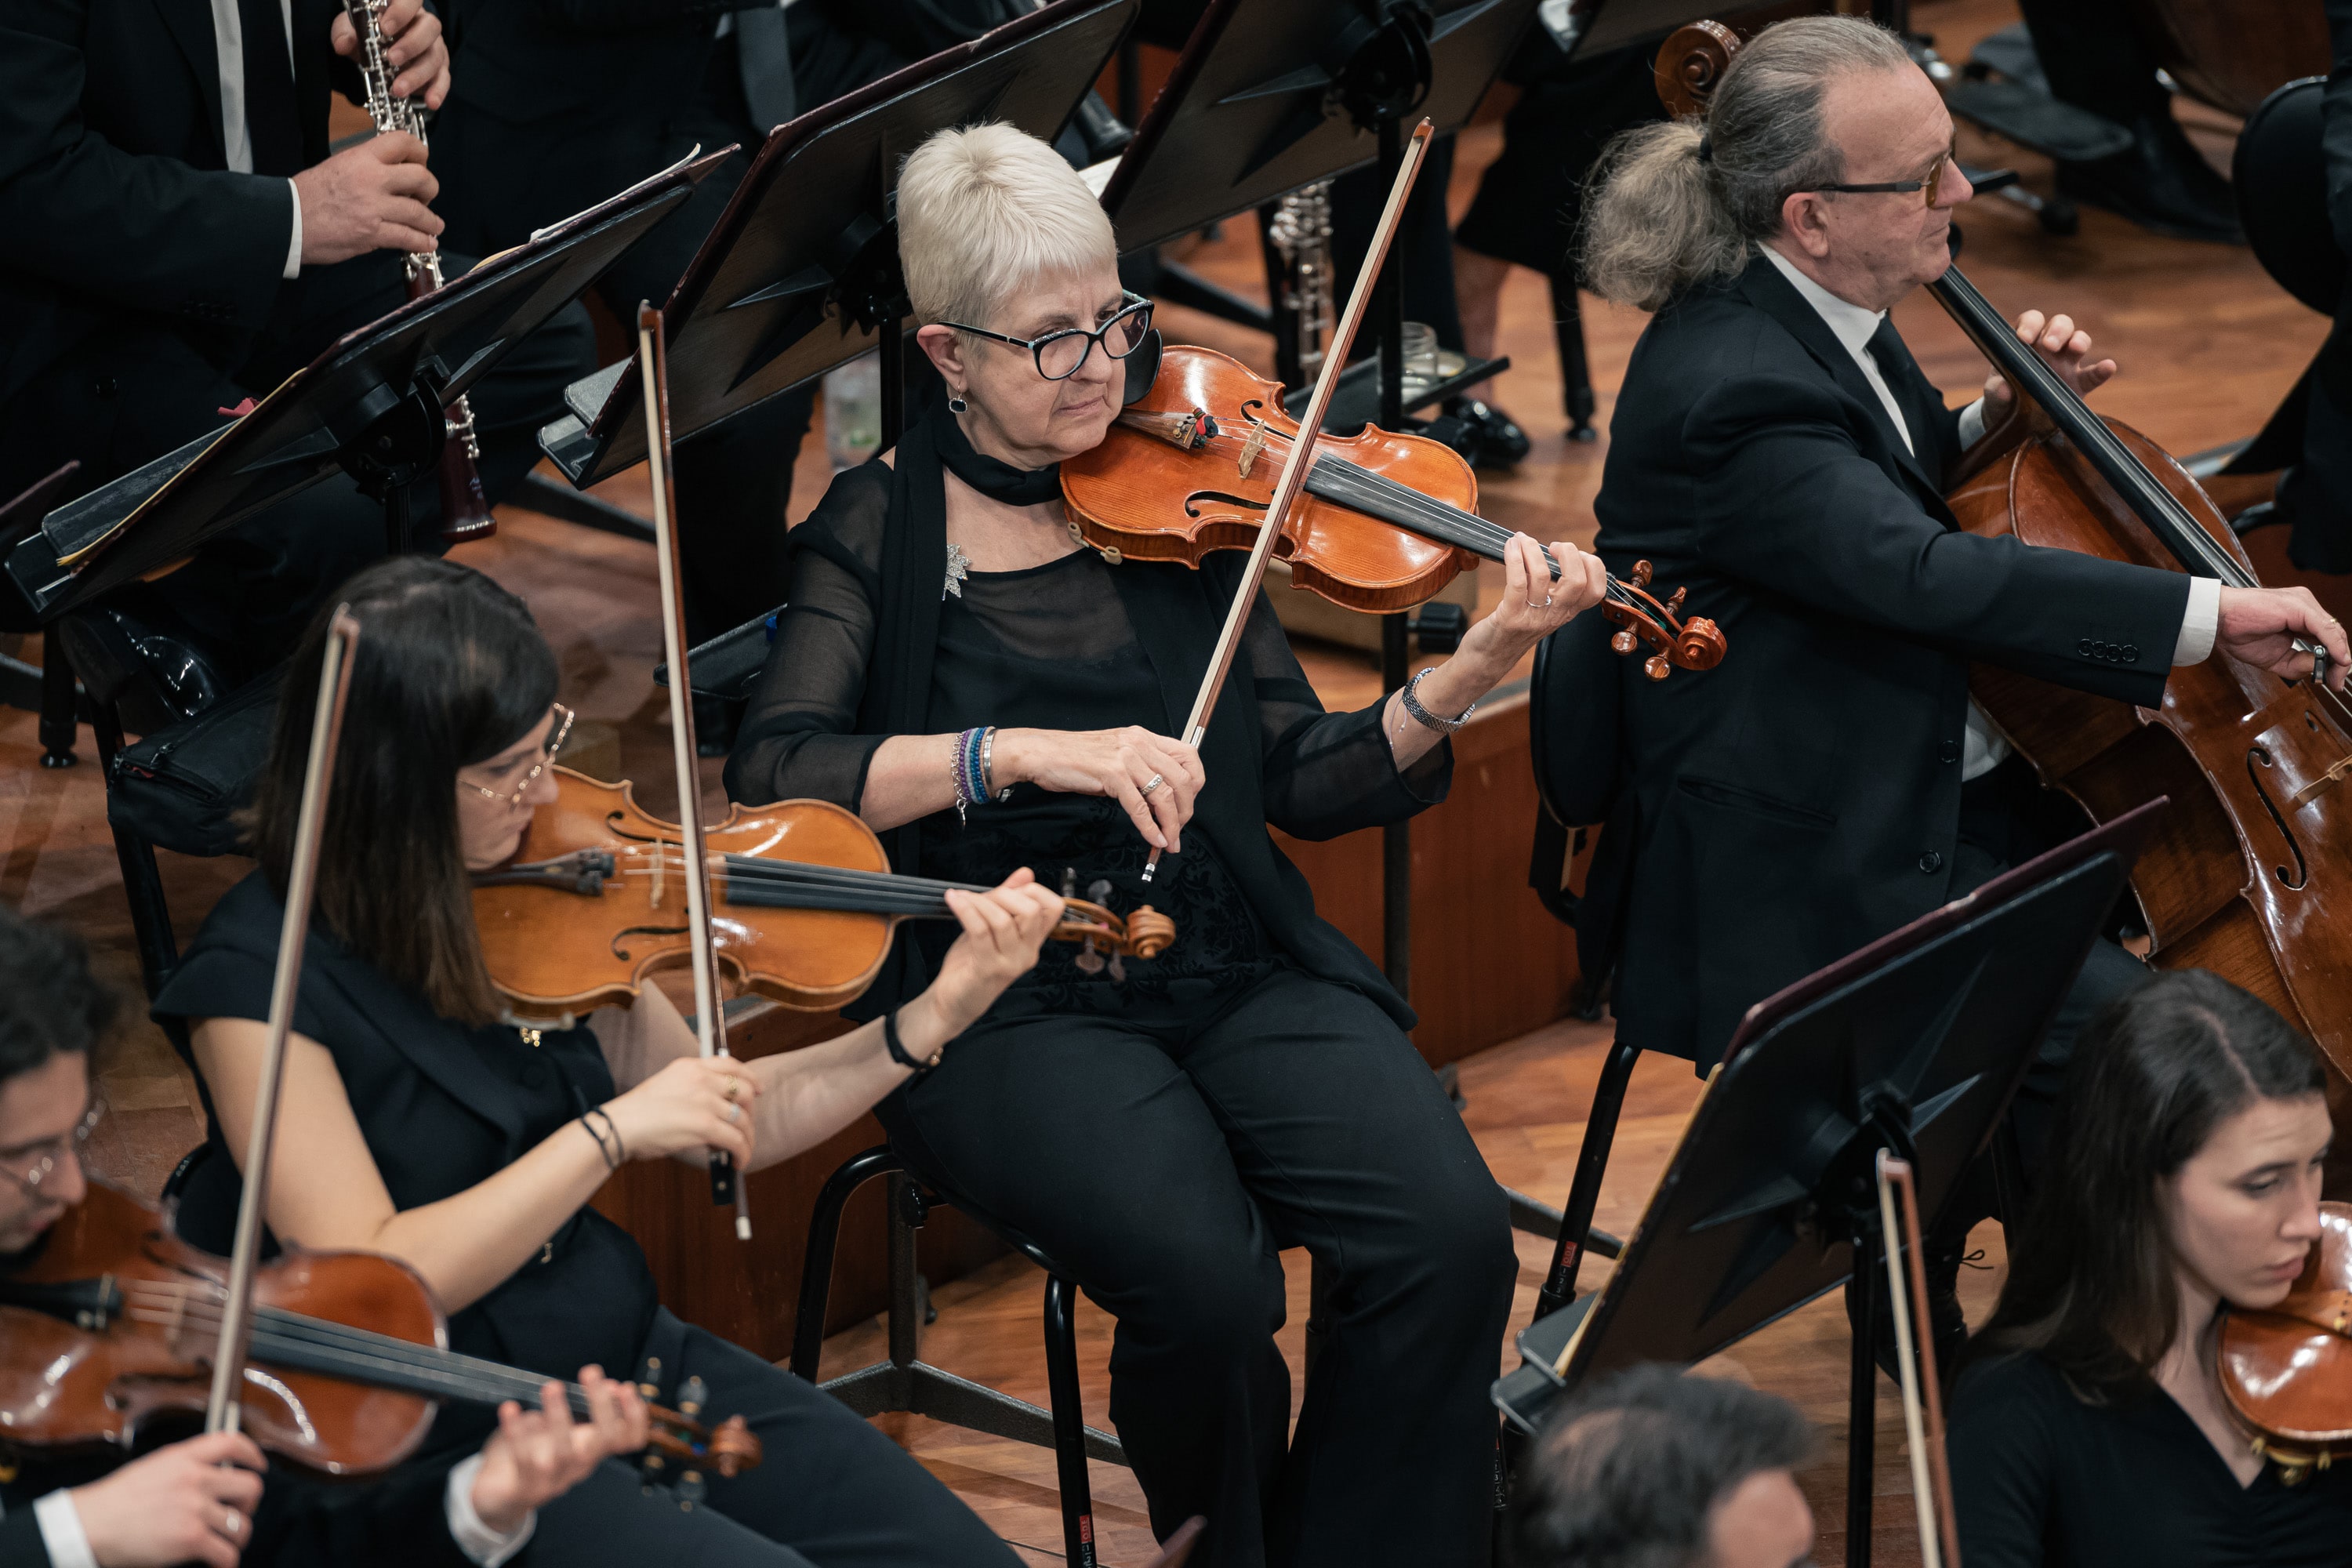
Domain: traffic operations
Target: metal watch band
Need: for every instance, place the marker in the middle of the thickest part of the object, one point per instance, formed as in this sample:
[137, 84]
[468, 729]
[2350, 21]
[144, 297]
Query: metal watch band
[1423, 717]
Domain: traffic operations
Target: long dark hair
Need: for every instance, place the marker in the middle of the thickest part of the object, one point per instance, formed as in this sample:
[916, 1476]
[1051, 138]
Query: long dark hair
[2091, 1287]
[450, 671]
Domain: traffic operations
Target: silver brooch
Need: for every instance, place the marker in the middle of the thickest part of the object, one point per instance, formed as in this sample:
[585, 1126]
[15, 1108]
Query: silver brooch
[959, 568]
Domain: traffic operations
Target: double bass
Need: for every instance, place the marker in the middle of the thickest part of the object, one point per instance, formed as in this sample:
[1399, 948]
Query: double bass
[2250, 873]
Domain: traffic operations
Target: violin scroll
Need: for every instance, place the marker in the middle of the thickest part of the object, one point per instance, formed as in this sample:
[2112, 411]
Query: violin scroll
[1146, 934]
[1693, 644]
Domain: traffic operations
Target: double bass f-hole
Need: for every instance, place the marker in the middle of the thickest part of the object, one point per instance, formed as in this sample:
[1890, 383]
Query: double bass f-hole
[2258, 758]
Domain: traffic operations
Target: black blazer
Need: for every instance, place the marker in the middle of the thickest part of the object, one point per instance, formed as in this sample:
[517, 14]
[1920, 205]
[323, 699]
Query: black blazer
[115, 193]
[1803, 798]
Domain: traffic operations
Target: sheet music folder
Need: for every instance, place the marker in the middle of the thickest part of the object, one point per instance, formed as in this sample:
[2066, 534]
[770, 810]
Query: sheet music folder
[801, 272]
[1932, 1026]
[1252, 111]
[292, 438]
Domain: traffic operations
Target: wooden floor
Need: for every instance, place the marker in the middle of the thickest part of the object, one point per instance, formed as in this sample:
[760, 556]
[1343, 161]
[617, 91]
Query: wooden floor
[2208, 345]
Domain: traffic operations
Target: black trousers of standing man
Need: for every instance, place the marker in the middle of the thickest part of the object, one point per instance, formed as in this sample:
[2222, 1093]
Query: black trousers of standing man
[1163, 1155]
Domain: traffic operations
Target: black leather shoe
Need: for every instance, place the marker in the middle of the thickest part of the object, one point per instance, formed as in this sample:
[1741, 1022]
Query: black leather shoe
[2160, 183]
[1501, 443]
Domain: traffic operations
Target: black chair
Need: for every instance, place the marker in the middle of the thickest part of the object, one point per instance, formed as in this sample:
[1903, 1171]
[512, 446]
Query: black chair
[907, 1383]
[2280, 174]
[1573, 711]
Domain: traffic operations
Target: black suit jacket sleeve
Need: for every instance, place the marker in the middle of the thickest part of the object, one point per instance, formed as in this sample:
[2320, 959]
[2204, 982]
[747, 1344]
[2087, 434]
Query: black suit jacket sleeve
[151, 234]
[396, 1522]
[1785, 499]
[21, 1545]
[637, 15]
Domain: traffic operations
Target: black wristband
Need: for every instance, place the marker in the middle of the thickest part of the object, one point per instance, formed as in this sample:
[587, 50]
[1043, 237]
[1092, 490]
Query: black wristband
[897, 1048]
[612, 1160]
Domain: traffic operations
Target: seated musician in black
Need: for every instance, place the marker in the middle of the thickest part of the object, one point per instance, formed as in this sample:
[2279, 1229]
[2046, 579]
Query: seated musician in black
[1776, 450]
[2089, 1426]
[181, 239]
[989, 694]
[205, 1500]
[415, 1123]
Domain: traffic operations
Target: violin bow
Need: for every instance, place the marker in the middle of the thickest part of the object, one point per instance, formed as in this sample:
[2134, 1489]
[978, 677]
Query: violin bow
[1301, 456]
[709, 1019]
[222, 1408]
[1915, 1355]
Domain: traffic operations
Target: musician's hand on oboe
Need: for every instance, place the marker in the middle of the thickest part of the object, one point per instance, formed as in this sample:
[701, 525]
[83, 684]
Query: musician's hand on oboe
[373, 196]
[412, 47]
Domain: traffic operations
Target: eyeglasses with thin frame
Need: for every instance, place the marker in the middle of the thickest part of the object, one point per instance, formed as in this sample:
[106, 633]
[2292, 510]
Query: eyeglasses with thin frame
[45, 1165]
[1060, 356]
[546, 754]
[1931, 184]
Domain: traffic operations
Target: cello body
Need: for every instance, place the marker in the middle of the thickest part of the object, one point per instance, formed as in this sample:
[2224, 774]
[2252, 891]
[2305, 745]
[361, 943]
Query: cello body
[2250, 873]
[2233, 54]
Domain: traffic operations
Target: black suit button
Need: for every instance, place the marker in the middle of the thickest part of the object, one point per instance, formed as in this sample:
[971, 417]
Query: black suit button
[1949, 752]
[1931, 862]
[2085, 647]
[2131, 653]
[102, 387]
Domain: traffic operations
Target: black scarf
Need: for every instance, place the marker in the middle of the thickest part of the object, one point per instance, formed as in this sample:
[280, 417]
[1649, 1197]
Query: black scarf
[992, 477]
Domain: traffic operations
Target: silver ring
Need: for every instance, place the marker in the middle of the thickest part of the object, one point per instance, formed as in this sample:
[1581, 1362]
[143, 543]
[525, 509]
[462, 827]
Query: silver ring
[1153, 782]
[734, 1111]
[232, 1524]
[1545, 606]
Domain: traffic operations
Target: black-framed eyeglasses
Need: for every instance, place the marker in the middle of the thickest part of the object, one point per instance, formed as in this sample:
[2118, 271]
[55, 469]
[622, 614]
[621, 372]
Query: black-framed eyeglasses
[1059, 355]
[54, 1151]
[1932, 183]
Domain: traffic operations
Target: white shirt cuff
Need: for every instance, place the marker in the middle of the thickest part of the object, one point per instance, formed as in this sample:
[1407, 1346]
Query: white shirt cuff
[2200, 623]
[294, 243]
[62, 1534]
[478, 1541]
[1972, 420]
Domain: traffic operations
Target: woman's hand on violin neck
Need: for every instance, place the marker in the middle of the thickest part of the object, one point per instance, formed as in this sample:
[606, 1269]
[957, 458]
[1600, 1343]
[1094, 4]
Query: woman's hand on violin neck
[1120, 763]
[2064, 347]
[2260, 625]
[1003, 930]
[686, 1107]
[537, 1456]
[191, 1503]
[1534, 605]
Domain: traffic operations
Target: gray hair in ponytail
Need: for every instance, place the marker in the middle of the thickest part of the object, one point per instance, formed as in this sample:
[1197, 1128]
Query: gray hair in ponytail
[1678, 204]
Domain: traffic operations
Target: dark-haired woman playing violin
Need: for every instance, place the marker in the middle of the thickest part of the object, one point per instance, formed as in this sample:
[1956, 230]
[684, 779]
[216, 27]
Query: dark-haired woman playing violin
[415, 1123]
[988, 695]
[2089, 1426]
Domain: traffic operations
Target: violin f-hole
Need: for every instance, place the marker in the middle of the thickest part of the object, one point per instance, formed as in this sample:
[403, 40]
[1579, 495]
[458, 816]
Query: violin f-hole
[2258, 758]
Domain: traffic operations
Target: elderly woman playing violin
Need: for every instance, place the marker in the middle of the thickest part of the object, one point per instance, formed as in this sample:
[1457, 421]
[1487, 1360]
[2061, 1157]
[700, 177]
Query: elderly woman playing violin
[991, 695]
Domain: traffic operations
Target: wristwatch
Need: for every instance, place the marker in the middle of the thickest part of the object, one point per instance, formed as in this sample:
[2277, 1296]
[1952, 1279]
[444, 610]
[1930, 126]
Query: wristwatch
[1425, 717]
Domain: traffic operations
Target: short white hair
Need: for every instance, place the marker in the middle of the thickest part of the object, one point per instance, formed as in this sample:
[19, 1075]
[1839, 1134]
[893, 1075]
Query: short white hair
[985, 210]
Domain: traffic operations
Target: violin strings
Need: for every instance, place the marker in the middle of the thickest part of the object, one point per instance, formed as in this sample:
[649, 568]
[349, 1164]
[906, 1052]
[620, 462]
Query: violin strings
[834, 888]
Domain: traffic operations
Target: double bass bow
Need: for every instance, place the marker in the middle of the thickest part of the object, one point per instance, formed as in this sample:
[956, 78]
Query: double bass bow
[2250, 873]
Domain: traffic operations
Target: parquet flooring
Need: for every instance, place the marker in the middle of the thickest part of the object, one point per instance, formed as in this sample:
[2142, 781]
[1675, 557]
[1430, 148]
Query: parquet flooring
[2208, 345]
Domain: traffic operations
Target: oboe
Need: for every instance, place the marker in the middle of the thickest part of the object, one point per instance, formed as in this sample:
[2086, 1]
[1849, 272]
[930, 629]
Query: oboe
[465, 508]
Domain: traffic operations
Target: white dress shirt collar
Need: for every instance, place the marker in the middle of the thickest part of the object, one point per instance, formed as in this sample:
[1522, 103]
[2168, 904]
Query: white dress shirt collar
[1851, 323]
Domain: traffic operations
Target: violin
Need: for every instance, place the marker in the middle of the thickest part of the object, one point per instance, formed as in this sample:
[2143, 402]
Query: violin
[1386, 520]
[114, 1321]
[806, 904]
[2250, 873]
[2287, 1371]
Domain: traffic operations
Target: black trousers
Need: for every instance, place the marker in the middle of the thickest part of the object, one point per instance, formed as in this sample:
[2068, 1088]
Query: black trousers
[830, 1493]
[1531, 197]
[127, 396]
[1163, 1158]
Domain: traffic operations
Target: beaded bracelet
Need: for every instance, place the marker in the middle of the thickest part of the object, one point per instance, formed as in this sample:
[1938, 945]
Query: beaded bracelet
[972, 766]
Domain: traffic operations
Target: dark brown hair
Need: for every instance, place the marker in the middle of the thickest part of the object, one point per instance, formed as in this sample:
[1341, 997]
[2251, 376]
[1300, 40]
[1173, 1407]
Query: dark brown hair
[450, 671]
[2090, 1288]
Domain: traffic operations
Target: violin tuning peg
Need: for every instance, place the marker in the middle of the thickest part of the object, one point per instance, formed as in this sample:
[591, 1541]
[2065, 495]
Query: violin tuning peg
[1640, 576]
[1098, 891]
[1623, 642]
[1675, 605]
[1069, 882]
[1119, 969]
[1088, 960]
[1657, 667]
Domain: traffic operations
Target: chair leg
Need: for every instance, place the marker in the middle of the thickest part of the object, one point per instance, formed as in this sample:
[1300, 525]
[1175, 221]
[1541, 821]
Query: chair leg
[142, 882]
[816, 1262]
[1069, 1422]
[1584, 1193]
[58, 701]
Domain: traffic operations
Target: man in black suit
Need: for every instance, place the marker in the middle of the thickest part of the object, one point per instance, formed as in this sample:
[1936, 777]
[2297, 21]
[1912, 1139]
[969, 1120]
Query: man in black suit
[206, 1500]
[181, 240]
[1776, 450]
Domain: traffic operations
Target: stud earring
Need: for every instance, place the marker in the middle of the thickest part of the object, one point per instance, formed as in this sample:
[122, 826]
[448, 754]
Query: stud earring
[959, 406]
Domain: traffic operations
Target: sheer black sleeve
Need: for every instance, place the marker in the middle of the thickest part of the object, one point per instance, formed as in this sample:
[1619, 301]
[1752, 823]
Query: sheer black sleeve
[798, 739]
[1327, 773]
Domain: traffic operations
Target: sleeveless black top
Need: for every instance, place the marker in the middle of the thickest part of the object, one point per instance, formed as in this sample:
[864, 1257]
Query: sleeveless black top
[443, 1107]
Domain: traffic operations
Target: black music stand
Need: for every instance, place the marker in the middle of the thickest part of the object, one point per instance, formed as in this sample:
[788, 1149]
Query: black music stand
[801, 272]
[1913, 1045]
[371, 405]
[48, 689]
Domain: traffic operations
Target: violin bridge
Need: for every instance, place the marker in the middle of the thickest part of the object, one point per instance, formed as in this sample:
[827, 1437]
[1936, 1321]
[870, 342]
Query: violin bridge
[1252, 447]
